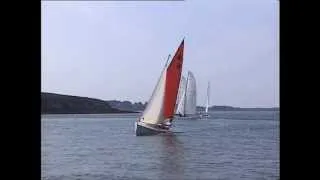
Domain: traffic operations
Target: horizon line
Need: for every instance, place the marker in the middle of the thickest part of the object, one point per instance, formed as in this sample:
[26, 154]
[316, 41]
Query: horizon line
[147, 101]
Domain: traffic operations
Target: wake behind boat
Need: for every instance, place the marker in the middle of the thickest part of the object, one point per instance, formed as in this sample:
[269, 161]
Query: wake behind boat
[159, 113]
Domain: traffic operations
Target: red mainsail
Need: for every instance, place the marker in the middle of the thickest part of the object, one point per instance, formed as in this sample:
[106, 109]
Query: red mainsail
[172, 82]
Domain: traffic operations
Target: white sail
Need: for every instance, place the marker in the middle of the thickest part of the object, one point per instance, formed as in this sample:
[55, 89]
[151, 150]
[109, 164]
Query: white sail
[208, 97]
[181, 97]
[190, 95]
[153, 113]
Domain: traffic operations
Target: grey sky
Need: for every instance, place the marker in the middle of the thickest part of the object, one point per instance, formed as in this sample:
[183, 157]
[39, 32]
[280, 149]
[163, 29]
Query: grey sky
[115, 50]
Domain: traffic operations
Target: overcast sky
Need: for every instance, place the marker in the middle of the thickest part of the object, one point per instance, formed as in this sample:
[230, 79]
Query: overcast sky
[116, 50]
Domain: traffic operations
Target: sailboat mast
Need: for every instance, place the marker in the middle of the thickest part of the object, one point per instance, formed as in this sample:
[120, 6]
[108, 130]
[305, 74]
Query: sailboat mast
[168, 60]
[208, 97]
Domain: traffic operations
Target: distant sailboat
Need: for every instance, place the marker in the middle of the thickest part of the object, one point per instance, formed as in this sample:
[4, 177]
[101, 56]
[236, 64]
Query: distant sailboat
[159, 113]
[181, 97]
[190, 107]
[187, 100]
[206, 114]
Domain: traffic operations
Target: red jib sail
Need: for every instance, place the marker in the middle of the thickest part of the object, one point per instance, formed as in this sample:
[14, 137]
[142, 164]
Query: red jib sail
[172, 82]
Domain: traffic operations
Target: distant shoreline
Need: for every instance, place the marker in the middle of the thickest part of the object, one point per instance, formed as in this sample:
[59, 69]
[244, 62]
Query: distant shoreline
[234, 110]
[64, 104]
[230, 108]
[55, 104]
[88, 113]
[91, 115]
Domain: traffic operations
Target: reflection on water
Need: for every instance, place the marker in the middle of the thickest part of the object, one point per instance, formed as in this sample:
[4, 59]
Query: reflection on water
[171, 159]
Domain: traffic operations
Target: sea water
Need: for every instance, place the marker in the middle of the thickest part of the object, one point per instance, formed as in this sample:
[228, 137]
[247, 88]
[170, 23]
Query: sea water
[227, 145]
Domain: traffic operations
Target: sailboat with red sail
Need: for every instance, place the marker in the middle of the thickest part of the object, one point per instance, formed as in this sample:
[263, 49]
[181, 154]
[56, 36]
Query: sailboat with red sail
[159, 113]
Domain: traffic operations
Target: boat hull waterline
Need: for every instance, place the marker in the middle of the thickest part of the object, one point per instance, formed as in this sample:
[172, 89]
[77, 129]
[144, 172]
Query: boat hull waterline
[142, 129]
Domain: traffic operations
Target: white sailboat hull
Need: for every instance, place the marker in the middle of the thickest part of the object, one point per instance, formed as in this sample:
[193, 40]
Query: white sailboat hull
[143, 129]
